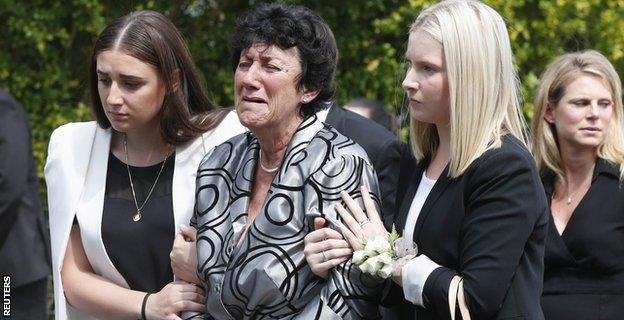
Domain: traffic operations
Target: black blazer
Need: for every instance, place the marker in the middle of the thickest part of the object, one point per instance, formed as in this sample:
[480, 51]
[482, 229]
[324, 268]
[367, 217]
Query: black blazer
[383, 148]
[487, 225]
[24, 244]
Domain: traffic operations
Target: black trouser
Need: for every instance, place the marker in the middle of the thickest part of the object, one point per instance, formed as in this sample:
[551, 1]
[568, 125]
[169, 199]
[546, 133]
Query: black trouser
[30, 301]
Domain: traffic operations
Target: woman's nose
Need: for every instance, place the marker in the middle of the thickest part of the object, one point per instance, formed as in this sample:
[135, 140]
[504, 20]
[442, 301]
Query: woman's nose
[114, 95]
[250, 76]
[410, 83]
[593, 110]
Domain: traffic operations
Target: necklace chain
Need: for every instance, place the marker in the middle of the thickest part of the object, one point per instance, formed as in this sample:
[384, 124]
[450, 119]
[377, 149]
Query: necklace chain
[137, 216]
[568, 199]
[265, 169]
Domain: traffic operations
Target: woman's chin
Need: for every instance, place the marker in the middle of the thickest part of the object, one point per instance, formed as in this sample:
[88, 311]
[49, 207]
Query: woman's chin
[253, 123]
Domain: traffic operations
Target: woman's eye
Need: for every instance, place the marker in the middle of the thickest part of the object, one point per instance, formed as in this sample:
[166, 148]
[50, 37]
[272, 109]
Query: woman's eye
[580, 103]
[428, 68]
[132, 85]
[273, 68]
[605, 104]
[104, 81]
[244, 65]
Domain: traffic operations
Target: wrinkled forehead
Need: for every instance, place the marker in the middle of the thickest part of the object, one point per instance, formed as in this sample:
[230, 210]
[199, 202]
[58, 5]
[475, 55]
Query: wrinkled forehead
[263, 50]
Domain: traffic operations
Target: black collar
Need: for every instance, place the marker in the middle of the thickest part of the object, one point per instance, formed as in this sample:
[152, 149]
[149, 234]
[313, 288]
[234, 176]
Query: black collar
[603, 167]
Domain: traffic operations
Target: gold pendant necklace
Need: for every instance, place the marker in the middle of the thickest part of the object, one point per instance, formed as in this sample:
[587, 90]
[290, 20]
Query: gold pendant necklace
[137, 216]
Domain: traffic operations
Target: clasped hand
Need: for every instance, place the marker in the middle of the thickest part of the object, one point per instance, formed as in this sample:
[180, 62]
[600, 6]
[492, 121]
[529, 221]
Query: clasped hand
[326, 248]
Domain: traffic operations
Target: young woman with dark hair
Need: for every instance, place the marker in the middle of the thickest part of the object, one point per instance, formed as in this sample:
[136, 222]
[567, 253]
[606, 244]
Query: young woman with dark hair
[118, 187]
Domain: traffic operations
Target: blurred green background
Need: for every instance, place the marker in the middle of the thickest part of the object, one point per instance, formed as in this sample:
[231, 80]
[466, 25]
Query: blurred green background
[45, 47]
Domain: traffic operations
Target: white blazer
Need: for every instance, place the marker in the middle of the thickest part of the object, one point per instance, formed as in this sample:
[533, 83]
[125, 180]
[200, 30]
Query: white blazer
[75, 174]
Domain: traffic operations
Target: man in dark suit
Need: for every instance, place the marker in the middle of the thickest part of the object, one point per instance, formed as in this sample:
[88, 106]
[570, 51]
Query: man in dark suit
[383, 149]
[24, 247]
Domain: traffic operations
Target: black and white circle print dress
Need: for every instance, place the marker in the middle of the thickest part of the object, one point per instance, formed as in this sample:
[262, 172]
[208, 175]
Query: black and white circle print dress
[264, 274]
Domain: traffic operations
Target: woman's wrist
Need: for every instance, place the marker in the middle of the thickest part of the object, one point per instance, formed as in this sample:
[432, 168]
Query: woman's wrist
[385, 255]
[144, 306]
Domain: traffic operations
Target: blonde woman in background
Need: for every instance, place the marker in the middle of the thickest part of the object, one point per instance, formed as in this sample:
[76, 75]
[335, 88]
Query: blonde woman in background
[474, 204]
[578, 143]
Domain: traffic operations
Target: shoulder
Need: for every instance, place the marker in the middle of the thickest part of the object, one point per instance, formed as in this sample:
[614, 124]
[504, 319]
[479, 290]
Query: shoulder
[73, 130]
[70, 140]
[371, 135]
[9, 106]
[607, 168]
[12, 116]
[512, 153]
[227, 152]
[229, 127]
[231, 123]
[338, 144]
[510, 165]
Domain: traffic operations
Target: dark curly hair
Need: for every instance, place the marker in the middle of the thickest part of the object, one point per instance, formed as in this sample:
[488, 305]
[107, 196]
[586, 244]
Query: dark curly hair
[287, 26]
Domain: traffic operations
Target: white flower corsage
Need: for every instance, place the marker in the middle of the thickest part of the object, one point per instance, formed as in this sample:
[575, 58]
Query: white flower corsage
[384, 256]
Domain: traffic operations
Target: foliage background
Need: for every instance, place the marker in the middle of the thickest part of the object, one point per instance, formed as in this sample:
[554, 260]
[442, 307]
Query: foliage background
[45, 46]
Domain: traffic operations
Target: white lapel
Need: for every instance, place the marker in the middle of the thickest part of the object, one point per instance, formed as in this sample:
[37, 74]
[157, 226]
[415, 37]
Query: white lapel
[187, 162]
[91, 206]
[68, 159]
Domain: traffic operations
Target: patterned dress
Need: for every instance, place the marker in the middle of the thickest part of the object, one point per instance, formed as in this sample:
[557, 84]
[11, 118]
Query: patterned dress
[265, 274]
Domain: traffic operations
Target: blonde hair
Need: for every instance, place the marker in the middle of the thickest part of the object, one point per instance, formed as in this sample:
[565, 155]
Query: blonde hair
[483, 85]
[559, 74]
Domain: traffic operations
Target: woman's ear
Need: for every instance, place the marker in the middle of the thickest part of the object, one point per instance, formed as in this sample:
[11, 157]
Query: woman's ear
[549, 115]
[309, 95]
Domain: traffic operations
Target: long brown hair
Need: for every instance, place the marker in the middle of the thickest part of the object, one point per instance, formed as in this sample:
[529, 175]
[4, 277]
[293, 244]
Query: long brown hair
[152, 38]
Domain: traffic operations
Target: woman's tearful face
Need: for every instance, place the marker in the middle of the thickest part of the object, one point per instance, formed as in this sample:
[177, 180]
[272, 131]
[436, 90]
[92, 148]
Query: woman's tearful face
[266, 86]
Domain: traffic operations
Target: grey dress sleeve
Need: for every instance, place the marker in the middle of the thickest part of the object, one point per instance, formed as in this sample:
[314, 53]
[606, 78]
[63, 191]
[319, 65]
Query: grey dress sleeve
[348, 293]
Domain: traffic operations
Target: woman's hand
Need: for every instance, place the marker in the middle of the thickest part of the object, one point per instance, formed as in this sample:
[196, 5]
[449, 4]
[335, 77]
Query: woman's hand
[183, 255]
[325, 248]
[174, 298]
[360, 225]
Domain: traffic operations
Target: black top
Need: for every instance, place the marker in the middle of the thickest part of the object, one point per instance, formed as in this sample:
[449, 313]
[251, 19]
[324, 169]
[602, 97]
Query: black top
[139, 250]
[488, 225]
[588, 258]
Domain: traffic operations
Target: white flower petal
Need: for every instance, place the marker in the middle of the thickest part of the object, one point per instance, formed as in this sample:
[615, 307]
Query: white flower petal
[359, 257]
[386, 271]
[385, 258]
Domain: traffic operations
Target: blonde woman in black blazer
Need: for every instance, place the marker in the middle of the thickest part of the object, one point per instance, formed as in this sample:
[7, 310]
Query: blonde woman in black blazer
[578, 143]
[474, 203]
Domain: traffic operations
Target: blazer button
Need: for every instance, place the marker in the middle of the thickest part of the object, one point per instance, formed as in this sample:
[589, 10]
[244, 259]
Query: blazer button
[229, 250]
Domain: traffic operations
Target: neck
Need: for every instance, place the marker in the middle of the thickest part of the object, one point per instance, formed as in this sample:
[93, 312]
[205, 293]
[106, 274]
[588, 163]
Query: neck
[444, 138]
[274, 141]
[145, 147]
[442, 154]
[578, 164]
